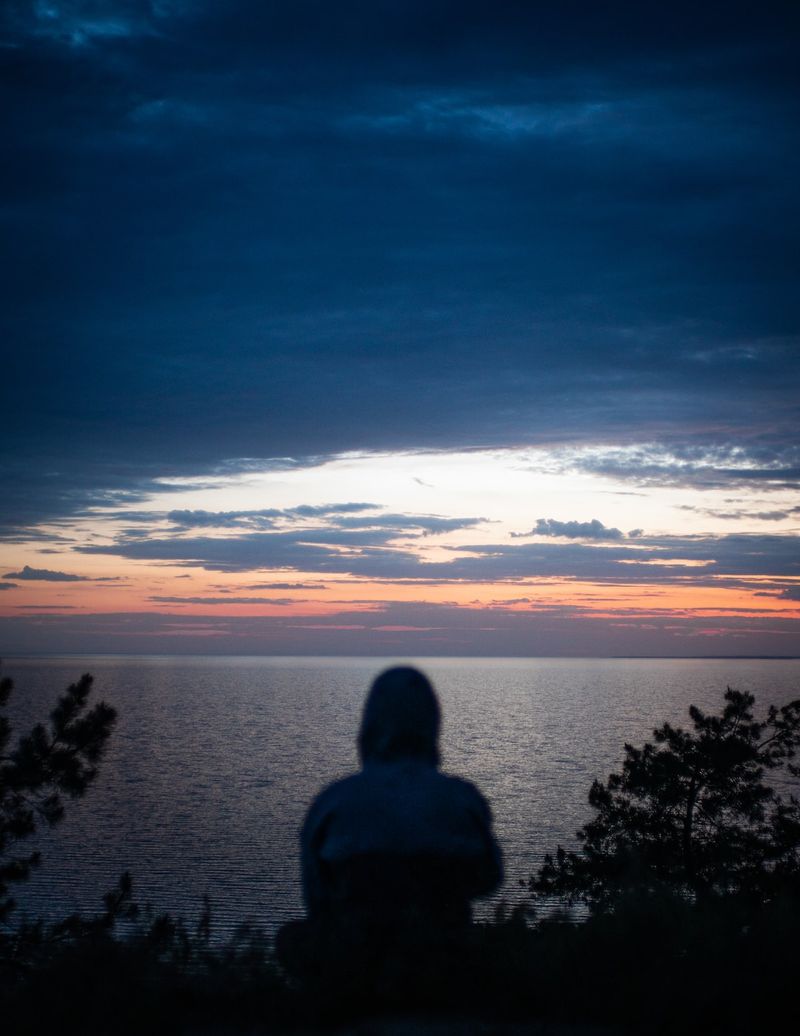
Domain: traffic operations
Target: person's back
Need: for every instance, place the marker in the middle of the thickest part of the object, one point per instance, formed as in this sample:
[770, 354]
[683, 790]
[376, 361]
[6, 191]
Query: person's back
[393, 855]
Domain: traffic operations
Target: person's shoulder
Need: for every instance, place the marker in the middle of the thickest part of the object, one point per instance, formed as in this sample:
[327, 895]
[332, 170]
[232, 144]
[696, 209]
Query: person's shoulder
[330, 797]
[460, 783]
[465, 790]
[336, 789]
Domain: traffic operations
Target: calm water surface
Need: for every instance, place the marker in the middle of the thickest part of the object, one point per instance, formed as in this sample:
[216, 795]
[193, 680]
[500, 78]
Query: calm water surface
[215, 760]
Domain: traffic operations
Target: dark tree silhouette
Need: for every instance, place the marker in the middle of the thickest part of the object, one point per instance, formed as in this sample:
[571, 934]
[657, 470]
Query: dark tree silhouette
[693, 812]
[48, 764]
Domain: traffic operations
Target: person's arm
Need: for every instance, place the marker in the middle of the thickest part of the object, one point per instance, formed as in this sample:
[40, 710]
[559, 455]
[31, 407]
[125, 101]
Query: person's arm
[316, 894]
[488, 870]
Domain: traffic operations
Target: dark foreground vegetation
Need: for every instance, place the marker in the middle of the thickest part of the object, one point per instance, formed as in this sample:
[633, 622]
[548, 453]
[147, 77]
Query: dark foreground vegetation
[689, 869]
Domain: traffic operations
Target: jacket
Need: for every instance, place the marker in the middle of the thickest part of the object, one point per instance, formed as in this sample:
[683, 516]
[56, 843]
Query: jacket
[399, 837]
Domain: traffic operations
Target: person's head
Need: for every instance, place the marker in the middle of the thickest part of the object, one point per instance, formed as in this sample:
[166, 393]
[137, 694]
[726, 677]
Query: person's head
[400, 719]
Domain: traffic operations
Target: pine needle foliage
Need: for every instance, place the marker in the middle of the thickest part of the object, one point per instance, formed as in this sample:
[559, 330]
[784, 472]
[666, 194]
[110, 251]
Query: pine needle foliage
[692, 811]
[49, 764]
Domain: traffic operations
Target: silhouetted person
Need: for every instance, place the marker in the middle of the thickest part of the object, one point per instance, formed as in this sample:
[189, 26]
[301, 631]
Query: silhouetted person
[393, 855]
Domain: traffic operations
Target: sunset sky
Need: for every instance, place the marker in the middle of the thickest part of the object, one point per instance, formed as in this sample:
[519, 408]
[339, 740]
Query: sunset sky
[400, 328]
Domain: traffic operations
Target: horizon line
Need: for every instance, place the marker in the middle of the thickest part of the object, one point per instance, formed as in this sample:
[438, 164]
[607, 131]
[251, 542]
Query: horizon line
[155, 654]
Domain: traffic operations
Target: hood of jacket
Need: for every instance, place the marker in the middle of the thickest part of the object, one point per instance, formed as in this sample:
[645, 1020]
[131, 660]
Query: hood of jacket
[401, 719]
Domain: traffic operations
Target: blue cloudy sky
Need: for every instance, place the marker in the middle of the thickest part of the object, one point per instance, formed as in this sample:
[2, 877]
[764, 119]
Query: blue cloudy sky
[406, 303]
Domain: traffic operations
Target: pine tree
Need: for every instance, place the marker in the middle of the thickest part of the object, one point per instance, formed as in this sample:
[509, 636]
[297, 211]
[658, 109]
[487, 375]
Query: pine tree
[49, 764]
[691, 811]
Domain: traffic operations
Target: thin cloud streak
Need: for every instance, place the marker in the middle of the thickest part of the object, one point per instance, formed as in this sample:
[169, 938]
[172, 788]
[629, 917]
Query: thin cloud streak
[45, 575]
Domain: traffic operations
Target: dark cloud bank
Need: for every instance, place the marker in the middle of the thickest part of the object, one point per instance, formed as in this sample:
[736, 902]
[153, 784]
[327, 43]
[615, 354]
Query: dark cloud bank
[409, 629]
[256, 230]
[592, 552]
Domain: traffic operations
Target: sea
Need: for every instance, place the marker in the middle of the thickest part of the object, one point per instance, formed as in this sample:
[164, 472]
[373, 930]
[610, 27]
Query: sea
[215, 760]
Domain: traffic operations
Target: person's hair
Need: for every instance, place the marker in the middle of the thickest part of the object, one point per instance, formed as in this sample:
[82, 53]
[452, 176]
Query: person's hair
[401, 718]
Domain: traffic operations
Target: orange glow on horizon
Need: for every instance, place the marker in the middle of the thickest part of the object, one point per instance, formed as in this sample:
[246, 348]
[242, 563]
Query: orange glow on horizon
[158, 591]
[625, 558]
